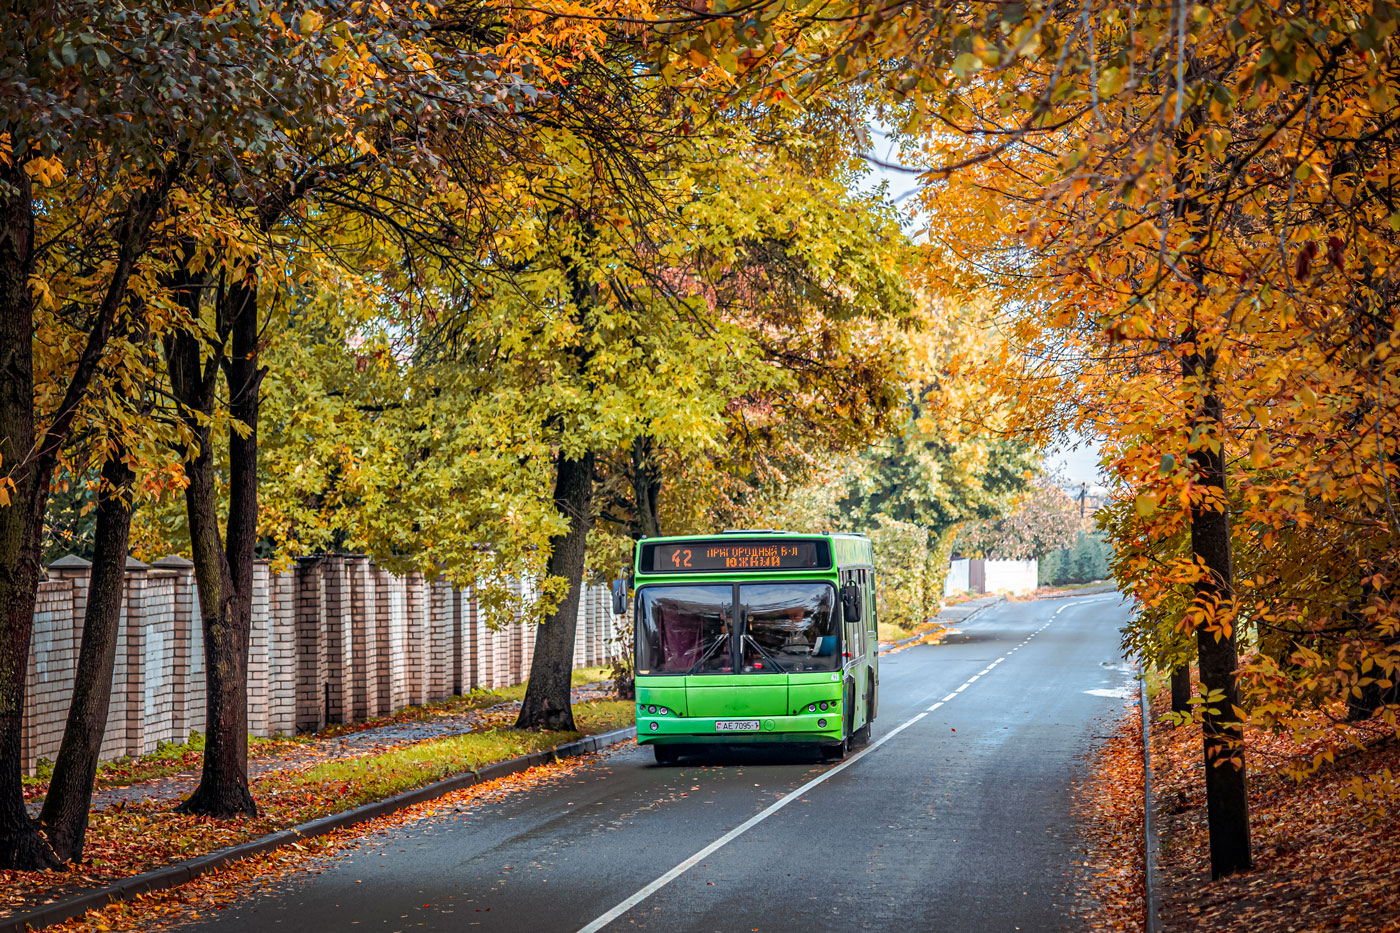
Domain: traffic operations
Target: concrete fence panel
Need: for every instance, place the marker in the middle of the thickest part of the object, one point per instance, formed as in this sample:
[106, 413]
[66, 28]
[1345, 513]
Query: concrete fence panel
[334, 639]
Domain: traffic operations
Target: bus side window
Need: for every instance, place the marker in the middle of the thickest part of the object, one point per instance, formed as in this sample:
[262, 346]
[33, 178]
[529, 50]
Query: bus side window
[874, 603]
[865, 610]
[855, 631]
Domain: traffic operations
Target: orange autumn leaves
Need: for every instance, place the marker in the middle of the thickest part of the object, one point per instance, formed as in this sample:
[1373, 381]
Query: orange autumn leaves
[1148, 193]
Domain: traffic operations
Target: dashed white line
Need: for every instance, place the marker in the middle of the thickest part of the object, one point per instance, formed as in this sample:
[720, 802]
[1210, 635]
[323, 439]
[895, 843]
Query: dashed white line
[753, 821]
[739, 830]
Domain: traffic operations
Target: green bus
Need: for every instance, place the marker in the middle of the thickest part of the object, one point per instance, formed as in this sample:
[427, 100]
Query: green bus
[754, 637]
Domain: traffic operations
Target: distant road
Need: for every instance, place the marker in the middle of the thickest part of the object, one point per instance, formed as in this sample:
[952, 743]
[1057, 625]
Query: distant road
[956, 818]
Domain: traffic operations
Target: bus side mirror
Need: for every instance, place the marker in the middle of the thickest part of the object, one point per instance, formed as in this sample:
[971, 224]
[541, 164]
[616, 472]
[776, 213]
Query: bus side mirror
[850, 602]
[619, 595]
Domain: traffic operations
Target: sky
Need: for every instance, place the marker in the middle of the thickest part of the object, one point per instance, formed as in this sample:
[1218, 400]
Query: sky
[1076, 461]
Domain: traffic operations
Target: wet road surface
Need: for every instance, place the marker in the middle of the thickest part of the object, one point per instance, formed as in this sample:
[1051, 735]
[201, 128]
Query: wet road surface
[956, 817]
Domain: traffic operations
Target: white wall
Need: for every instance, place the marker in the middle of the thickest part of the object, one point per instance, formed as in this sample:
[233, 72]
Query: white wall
[957, 577]
[1012, 576]
[1002, 576]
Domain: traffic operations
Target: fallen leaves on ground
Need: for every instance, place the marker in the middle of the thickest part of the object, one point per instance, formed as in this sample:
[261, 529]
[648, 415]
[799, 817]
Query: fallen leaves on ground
[1317, 864]
[1108, 803]
[929, 634]
[140, 835]
[220, 889]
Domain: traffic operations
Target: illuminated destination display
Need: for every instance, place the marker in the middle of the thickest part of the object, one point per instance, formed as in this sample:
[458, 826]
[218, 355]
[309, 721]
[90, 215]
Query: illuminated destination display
[738, 555]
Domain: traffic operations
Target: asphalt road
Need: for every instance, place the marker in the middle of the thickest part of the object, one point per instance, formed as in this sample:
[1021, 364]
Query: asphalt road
[956, 817]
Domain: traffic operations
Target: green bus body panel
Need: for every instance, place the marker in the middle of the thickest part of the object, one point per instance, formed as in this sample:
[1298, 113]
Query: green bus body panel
[694, 703]
[671, 694]
[730, 702]
[674, 730]
[736, 696]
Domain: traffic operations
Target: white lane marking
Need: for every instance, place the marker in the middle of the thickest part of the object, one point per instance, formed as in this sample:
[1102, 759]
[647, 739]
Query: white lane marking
[753, 821]
[985, 670]
[739, 830]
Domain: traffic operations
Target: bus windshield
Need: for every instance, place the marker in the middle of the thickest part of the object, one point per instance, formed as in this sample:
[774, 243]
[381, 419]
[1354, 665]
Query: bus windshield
[785, 628]
[685, 629]
[789, 627]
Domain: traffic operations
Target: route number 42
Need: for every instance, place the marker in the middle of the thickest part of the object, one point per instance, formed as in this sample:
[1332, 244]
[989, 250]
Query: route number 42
[681, 558]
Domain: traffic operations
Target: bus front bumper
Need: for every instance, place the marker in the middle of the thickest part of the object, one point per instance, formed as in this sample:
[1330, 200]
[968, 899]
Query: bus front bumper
[686, 730]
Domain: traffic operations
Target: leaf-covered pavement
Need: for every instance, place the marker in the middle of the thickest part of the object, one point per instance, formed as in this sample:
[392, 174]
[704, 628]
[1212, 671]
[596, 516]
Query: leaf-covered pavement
[1111, 892]
[1318, 864]
[134, 830]
[1323, 858]
[217, 890]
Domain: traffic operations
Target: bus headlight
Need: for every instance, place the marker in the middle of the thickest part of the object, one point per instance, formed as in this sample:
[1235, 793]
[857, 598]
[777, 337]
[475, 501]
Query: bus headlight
[661, 710]
[821, 724]
[655, 725]
[811, 707]
[652, 710]
[822, 704]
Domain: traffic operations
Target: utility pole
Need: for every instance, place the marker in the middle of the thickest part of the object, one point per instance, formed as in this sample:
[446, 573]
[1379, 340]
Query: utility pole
[1083, 495]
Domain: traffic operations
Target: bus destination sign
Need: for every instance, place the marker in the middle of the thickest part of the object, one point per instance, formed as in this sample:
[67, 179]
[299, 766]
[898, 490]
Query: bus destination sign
[740, 555]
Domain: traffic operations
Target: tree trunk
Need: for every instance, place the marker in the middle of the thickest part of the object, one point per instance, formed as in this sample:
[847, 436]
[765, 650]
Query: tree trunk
[21, 520]
[66, 808]
[548, 702]
[27, 461]
[1181, 689]
[646, 487]
[225, 571]
[1227, 797]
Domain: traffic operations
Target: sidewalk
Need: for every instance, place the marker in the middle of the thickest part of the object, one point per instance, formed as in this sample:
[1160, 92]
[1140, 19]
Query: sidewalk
[304, 786]
[960, 612]
[947, 617]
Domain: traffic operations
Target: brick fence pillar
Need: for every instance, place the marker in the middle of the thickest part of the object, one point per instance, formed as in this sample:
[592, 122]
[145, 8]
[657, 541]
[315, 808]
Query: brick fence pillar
[134, 646]
[259, 645]
[359, 690]
[282, 655]
[183, 616]
[53, 658]
[335, 645]
[310, 603]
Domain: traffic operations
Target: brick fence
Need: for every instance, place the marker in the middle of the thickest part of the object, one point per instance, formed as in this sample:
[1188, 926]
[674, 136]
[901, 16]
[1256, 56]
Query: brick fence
[335, 640]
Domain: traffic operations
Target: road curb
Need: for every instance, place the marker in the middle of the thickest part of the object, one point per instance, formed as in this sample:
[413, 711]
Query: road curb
[175, 875]
[1150, 846]
[890, 646]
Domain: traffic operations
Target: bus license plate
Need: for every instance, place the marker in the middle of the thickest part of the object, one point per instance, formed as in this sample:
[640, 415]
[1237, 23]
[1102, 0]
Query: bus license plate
[736, 725]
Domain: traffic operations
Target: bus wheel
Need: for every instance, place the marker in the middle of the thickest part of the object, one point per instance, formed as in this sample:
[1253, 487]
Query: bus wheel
[666, 754]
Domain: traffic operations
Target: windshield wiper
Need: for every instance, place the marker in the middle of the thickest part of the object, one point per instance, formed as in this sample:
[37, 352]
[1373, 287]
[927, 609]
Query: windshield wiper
[763, 651]
[719, 640]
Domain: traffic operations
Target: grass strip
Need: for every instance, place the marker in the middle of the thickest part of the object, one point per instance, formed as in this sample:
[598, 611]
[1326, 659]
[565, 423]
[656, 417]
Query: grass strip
[374, 777]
